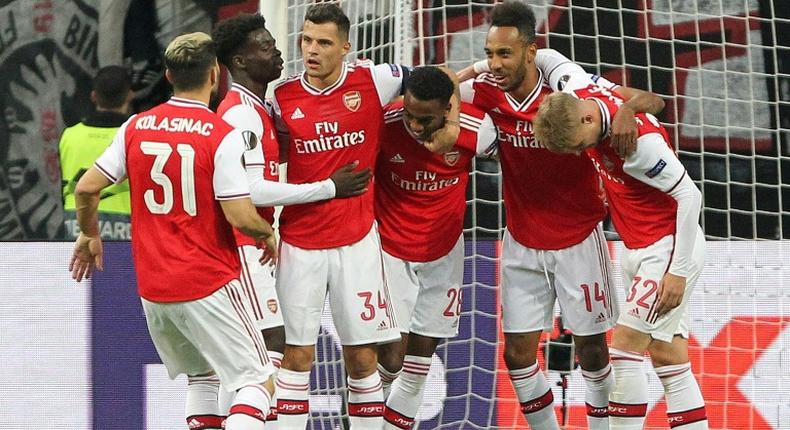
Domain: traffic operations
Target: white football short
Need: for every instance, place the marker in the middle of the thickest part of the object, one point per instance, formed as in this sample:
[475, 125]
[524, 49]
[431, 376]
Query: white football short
[353, 278]
[258, 283]
[643, 270]
[213, 334]
[578, 277]
[427, 296]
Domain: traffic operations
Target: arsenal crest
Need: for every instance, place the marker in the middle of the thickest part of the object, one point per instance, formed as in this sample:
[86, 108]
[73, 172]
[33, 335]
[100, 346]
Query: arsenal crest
[451, 158]
[352, 100]
[272, 305]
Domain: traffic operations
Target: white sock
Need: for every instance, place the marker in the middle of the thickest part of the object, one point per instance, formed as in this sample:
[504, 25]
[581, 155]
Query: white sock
[628, 400]
[225, 400]
[365, 402]
[201, 409]
[598, 384]
[685, 405]
[406, 397]
[535, 397]
[387, 378]
[249, 409]
[271, 419]
[293, 393]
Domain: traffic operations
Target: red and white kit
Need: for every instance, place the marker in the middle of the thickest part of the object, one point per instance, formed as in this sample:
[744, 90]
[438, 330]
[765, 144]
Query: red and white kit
[328, 129]
[184, 252]
[245, 111]
[420, 204]
[648, 198]
[554, 248]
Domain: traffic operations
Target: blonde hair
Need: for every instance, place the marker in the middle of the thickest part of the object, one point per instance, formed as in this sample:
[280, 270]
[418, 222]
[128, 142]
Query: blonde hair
[557, 122]
[189, 58]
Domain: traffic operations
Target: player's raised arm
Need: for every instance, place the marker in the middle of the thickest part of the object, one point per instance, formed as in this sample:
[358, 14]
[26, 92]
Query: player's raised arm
[624, 130]
[558, 70]
[391, 79]
[443, 139]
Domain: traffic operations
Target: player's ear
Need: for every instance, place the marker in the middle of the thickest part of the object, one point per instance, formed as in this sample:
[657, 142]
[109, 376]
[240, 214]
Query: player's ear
[214, 75]
[238, 62]
[588, 119]
[532, 51]
[346, 47]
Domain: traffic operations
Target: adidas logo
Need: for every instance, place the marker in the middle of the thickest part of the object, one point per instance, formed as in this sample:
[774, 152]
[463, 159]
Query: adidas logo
[397, 159]
[382, 326]
[601, 318]
[297, 114]
[634, 312]
[496, 110]
[194, 424]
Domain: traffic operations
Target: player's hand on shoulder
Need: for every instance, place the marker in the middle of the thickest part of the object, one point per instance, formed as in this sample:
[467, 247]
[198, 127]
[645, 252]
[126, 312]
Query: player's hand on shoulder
[624, 131]
[349, 183]
[86, 258]
[670, 293]
[443, 140]
[269, 247]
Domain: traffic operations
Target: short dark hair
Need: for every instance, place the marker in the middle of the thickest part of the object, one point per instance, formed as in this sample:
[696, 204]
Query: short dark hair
[230, 35]
[189, 59]
[321, 13]
[515, 14]
[430, 83]
[111, 86]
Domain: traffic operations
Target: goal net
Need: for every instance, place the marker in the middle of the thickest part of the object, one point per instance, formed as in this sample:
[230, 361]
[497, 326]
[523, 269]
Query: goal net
[723, 68]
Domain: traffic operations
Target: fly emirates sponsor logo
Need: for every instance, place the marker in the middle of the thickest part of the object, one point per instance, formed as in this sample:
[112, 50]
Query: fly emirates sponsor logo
[423, 181]
[329, 138]
[175, 125]
[521, 138]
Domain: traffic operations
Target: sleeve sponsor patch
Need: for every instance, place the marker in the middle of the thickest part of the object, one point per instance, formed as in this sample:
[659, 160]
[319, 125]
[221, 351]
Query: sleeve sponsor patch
[595, 78]
[250, 139]
[652, 173]
[395, 70]
[563, 81]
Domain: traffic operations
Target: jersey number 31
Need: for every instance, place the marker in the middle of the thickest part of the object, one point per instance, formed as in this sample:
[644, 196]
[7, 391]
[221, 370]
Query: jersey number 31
[162, 152]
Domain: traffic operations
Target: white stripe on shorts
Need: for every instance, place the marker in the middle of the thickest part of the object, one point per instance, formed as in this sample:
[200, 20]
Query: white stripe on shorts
[238, 305]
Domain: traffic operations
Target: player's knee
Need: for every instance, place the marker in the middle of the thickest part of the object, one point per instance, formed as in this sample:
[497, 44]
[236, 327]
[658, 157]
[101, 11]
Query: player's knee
[668, 354]
[390, 356]
[520, 350]
[628, 339]
[592, 352]
[298, 358]
[360, 360]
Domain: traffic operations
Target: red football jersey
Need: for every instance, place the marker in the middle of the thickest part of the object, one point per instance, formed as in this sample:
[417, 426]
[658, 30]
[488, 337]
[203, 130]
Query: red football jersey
[180, 159]
[328, 129]
[421, 196]
[244, 110]
[642, 211]
[552, 201]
